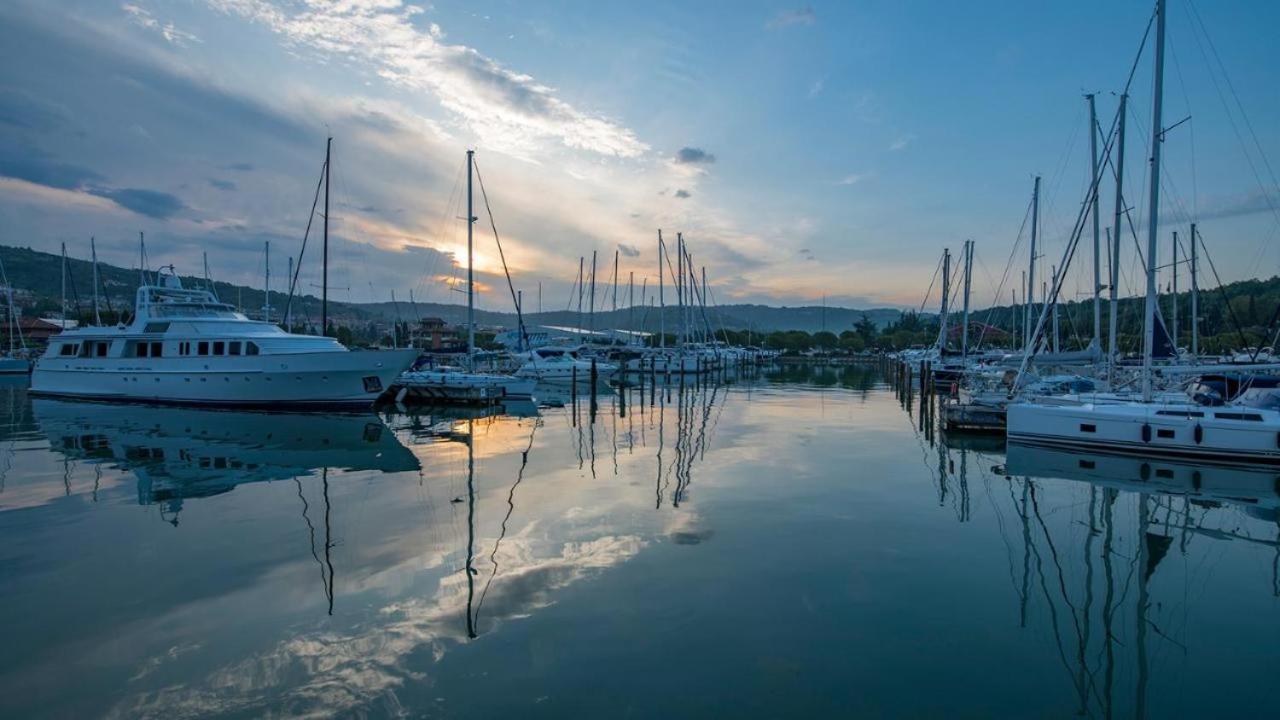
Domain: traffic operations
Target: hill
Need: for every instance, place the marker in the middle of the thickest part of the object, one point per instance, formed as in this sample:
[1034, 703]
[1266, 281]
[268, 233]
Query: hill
[35, 276]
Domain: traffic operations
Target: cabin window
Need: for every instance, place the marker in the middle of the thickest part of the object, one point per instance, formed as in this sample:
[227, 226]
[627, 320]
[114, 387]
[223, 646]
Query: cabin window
[141, 349]
[1181, 413]
[1087, 464]
[251, 348]
[102, 349]
[1164, 473]
[184, 348]
[202, 347]
[1086, 427]
[1238, 416]
[69, 349]
[156, 327]
[233, 348]
[1164, 433]
[157, 349]
[219, 347]
[86, 349]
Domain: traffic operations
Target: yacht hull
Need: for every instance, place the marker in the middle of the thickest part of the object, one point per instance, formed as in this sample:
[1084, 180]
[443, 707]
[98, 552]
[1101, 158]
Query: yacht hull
[1224, 434]
[321, 379]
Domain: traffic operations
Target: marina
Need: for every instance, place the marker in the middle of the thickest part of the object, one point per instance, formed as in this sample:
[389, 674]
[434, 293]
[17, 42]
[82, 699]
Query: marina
[918, 360]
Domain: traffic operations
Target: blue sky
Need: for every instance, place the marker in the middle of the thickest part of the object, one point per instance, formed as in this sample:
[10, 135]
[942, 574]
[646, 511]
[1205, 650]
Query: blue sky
[804, 150]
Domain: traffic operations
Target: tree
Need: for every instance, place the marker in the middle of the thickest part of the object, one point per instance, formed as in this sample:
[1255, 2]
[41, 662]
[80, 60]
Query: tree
[866, 329]
[825, 340]
[852, 343]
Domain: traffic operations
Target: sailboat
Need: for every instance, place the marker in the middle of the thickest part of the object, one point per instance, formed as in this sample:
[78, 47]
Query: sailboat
[1241, 431]
[450, 384]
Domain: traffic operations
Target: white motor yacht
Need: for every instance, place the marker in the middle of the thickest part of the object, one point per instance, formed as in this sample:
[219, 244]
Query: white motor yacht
[565, 368]
[184, 346]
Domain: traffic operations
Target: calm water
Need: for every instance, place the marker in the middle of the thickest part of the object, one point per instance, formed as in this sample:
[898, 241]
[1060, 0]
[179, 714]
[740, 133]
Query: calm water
[795, 543]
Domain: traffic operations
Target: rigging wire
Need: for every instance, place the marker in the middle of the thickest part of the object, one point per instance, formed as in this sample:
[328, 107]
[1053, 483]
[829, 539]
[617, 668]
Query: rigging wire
[502, 256]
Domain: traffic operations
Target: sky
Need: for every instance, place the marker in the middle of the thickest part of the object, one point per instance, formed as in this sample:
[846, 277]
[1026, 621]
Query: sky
[805, 151]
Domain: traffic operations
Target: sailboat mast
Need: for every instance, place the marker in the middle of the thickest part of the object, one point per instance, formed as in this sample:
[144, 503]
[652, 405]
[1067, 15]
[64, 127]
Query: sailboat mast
[1173, 317]
[266, 281]
[591, 314]
[471, 296]
[581, 260]
[93, 250]
[680, 286]
[968, 277]
[1026, 310]
[64, 286]
[1195, 297]
[615, 280]
[1112, 350]
[1153, 205]
[1054, 310]
[324, 273]
[1097, 235]
[662, 299]
[288, 306]
[631, 300]
[1030, 296]
[946, 296]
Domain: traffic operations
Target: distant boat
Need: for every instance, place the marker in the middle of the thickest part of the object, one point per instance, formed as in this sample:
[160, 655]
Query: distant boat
[565, 368]
[184, 346]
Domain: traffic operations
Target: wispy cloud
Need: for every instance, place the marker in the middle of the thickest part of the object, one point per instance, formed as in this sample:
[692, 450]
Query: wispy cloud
[143, 18]
[694, 156]
[788, 18]
[151, 203]
[853, 178]
[817, 87]
[901, 142]
[683, 194]
[225, 185]
[628, 250]
[509, 110]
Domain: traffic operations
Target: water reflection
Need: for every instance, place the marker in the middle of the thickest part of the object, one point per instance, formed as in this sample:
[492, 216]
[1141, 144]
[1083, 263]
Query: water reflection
[1114, 550]
[775, 535]
[178, 454]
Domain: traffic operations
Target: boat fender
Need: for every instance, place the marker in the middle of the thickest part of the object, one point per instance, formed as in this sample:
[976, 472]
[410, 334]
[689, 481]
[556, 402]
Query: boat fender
[1146, 432]
[1144, 471]
[1198, 434]
[1195, 479]
[955, 390]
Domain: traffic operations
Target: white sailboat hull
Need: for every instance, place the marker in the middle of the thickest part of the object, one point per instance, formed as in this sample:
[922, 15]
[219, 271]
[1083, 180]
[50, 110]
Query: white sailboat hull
[296, 379]
[1225, 434]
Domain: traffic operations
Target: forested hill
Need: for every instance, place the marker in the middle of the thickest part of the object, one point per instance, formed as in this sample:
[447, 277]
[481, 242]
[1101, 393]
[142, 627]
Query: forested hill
[35, 276]
[1234, 315]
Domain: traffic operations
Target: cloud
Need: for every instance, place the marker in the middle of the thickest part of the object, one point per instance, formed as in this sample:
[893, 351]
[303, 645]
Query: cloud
[853, 178]
[37, 167]
[151, 203]
[817, 87]
[628, 250]
[143, 18]
[683, 194]
[239, 167]
[901, 142]
[788, 18]
[27, 111]
[226, 185]
[694, 156]
[509, 110]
